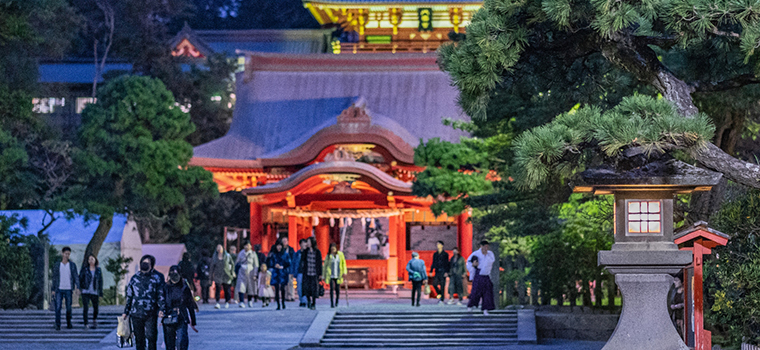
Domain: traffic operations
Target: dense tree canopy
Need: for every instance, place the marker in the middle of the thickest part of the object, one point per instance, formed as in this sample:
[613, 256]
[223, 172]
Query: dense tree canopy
[134, 155]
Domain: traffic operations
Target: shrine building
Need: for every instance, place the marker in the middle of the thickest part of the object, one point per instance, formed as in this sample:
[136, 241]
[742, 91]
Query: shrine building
[322, 143]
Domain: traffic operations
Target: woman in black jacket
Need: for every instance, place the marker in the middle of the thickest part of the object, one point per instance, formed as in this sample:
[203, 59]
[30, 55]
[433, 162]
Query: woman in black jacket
[91, 284]
[311, 260]
[177, 308]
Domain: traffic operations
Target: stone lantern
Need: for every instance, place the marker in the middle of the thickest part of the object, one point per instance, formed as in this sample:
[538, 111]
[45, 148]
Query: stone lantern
[644, 257]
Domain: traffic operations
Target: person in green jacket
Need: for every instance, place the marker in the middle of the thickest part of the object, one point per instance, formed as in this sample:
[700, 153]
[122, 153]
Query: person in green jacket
[222, 273]
[457, 268]
[333, 271]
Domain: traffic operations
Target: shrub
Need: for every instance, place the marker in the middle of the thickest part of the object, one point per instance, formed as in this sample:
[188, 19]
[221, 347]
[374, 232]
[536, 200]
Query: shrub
[733, 277]
[16, 272]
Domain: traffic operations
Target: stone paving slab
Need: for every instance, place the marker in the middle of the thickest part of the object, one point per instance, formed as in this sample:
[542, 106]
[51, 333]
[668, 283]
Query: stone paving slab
[267, 328]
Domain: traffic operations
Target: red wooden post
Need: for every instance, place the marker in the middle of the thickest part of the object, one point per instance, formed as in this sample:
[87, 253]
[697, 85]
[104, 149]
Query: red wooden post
[256, 224]
[393, 245]
[292, 231]
[323, 236]
[224, 238]
[464, 234]
[401, 233]
[698, 301]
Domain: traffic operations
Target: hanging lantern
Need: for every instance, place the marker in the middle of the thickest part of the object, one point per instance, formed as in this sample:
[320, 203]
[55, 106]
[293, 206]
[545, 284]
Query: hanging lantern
[315, 221]
[332, 222]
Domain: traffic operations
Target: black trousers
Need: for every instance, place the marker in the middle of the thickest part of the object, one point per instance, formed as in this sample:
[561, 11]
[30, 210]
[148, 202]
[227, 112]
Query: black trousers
[416, 290]
[334, 288]
[145, 329]
[279, 293]
[86, 300]
[227, 295]
[205, 285]
[175, 337]
[439, 282]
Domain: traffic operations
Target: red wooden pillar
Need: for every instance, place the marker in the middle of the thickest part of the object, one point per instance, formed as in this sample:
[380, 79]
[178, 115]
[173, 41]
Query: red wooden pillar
[292, 231]
[393, 244]
[257, 224]
[699, 331]
[401, 233]
[265, 241]
[323, 236]
[464, 234]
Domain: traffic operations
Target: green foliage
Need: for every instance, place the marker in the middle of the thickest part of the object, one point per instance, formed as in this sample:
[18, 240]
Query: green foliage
[119, 268]
[134, 155]
[453, 170]
[733, 277]
[569, 255]
[561, 147]
[16, 274]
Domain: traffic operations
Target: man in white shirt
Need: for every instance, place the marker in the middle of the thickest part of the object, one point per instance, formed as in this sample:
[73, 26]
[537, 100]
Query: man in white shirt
[65, 281]
[482, 287]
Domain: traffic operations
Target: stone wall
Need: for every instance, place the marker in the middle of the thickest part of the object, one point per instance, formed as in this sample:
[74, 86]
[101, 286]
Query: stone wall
[575, 326]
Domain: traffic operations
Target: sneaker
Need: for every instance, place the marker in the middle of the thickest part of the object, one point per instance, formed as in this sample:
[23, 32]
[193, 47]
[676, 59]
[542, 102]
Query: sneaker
[250, 303]
[485, 312]
[242, 305]
[217, 306]
[440, 301]
[469, 309]
[459, 303]
[226, 305]
[58, 328]
[451, 302]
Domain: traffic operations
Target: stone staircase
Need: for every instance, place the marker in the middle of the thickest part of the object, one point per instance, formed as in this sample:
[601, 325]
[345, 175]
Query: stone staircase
[422, 328]
[22, 326]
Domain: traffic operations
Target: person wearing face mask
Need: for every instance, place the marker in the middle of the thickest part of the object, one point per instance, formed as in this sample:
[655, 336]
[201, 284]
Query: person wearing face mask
[143, 295]
[177, 308]
[247, 275]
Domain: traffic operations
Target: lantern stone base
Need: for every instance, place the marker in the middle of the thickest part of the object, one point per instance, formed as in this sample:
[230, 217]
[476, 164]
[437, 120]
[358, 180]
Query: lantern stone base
[644, 322]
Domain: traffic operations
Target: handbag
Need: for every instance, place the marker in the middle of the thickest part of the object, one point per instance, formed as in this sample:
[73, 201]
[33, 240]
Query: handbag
[427, 289]
[124, 333]
[321, 289]
[172, 319]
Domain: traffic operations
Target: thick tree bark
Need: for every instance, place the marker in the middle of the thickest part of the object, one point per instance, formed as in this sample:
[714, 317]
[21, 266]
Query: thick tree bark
[636, 57]
[96, 242]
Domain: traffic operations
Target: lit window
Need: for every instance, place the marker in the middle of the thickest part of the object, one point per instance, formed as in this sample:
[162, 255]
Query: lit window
[83, 102]
[46, 105]
[644, 216]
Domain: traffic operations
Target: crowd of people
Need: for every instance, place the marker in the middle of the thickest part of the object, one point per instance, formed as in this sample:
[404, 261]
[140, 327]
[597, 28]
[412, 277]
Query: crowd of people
[255, 277]
[478, 264]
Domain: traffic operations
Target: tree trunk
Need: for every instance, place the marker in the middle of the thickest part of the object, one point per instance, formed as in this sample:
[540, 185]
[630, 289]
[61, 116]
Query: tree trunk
[93, 248]
[635, 56]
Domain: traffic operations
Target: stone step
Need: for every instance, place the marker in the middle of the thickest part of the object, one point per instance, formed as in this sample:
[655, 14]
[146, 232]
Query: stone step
[415, 334]
[20, 326]
[431, 329]
[417, 343]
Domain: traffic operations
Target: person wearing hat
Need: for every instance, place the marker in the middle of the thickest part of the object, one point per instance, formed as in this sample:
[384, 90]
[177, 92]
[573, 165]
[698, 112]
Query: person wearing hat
[177, 308]
[143, 295]
[482, 287]
[417, 274]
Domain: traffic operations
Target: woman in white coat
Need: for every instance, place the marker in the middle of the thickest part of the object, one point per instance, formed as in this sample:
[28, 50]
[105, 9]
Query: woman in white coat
[247, 274]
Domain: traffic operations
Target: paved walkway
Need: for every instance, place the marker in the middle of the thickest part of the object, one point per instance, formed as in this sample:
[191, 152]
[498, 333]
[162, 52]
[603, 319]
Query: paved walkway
[267, 328]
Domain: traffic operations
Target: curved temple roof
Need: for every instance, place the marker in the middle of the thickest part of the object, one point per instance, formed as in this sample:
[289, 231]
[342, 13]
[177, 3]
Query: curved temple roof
[337, 167]
[284, 100]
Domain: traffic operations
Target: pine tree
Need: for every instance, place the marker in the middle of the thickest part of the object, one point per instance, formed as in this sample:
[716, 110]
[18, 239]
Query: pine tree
[683, 50]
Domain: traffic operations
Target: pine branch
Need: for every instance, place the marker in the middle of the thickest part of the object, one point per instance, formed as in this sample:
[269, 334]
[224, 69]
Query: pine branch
[729, 84]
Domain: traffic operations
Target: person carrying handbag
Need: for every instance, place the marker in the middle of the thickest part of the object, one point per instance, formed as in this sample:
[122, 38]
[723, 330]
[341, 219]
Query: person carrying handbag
[417, 274]
[177, 308]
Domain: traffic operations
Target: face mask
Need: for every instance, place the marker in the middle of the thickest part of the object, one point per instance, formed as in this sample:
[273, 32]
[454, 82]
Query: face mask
[174, 277]
[144, 266]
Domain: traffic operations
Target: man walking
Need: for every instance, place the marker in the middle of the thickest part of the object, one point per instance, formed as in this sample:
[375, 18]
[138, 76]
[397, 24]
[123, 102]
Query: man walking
[204, 275]
[482, 287]
[143, 296]
[65, 281]
[456, 274]
[441, 267]
[290, 294]
[297, 266]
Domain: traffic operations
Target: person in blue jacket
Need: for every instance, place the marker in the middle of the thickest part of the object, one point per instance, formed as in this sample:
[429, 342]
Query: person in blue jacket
[279, 263]
[417, 274]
